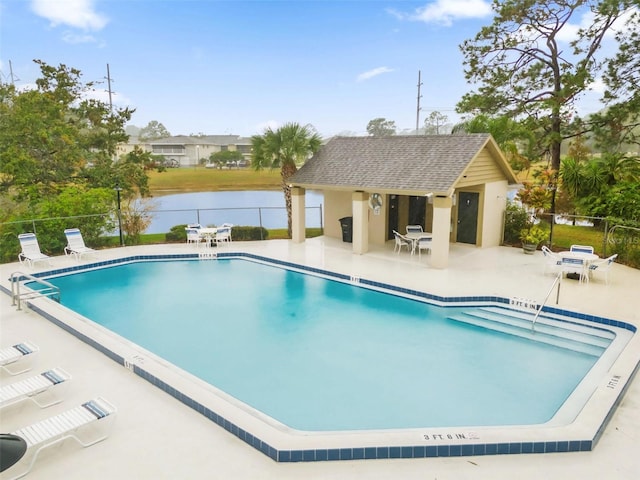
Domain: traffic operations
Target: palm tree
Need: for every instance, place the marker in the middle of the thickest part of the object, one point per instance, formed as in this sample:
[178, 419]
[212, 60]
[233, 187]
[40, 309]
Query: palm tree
[285, 148]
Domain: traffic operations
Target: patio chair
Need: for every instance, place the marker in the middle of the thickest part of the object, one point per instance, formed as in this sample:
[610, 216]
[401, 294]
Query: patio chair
[16, 355]
[402, 241]
[75, 243]
[603, 266]
[423, 243]
[31, 250]
[575, 266]
[223, 235]
[581, 248]
[75, 423]
[48, 384]
[414, 229]
[193, 236]
[552, 261]
[230, 227]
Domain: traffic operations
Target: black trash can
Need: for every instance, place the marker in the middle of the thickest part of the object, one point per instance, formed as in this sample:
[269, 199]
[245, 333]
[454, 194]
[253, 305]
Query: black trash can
[347, 229]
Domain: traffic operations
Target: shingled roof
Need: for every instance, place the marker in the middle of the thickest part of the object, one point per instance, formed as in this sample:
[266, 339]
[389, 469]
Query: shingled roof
[425, 163]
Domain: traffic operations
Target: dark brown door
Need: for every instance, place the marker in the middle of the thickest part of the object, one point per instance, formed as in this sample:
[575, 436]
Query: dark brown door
[467, 217]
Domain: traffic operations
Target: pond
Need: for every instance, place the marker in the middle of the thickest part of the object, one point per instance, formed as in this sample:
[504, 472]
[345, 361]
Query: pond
[246, 208]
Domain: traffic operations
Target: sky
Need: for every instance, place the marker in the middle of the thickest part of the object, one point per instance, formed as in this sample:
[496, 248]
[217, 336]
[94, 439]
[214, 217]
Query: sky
[237, 67]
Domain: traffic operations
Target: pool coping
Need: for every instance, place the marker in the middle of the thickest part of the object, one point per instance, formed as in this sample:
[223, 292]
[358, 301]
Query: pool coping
[292, 446]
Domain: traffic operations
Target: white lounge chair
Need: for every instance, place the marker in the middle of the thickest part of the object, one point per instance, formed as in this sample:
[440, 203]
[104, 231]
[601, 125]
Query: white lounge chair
[74, 423]
[31, 250]
[75, 243]
[20, 354]
[603, 266]
[402, 241]
[48, 384]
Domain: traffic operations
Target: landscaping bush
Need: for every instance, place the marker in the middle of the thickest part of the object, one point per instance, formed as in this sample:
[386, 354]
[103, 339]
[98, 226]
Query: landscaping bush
[249, 233]
[177, 234]
[515, 220]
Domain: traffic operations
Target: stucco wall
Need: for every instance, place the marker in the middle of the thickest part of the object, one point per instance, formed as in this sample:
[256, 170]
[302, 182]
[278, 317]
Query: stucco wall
[378, 224]
[495, 201]
[336, 206]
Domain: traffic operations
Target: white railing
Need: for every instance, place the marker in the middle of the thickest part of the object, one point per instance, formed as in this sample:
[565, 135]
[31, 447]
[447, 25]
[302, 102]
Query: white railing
[544, 302]
[48, 290]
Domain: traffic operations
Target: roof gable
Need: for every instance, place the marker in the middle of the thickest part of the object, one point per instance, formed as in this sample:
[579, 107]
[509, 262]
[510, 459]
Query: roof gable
[429, 163]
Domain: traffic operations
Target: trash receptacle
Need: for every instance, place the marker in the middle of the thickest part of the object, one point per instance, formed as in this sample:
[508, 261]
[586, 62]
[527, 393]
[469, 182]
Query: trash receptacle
[347, 229]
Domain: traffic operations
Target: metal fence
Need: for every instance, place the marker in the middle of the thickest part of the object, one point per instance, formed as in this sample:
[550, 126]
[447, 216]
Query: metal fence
[163, 220]
[265, 217]
[599, 232]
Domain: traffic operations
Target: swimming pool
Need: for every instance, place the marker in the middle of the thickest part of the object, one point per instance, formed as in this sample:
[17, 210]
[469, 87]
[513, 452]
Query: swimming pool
[236, 349]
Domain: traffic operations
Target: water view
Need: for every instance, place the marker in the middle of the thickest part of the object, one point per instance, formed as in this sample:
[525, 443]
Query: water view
[251, 208]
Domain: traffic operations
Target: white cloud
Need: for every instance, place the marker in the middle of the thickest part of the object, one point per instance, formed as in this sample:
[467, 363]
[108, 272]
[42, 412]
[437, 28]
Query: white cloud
[74, 13]
[597, 86]
[72, 38]
[373, 73]
[445, 12]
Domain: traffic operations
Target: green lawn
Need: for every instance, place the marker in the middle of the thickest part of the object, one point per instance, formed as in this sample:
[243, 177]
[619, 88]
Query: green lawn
[566, 235]
[200, 179]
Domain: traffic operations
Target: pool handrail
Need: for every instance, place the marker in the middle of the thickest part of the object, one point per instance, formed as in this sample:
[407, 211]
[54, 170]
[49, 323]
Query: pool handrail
[546, 298]
[50, 289]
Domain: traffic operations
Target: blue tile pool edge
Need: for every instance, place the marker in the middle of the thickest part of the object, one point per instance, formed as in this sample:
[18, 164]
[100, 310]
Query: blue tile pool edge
[352, 453]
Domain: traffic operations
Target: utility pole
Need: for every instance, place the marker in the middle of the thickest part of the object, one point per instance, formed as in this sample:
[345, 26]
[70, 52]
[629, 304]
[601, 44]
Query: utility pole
[11, 74]
[418, 103]
[109, 87]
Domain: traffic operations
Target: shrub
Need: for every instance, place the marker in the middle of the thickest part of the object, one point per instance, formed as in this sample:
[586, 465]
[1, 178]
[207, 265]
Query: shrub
[177, 234]
[249, 233]
[516, 219]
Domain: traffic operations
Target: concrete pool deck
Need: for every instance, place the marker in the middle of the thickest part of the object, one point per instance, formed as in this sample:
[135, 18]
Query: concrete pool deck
[155, 436]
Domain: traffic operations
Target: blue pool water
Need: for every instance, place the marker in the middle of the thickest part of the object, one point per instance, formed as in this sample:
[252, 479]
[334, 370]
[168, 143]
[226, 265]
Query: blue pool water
[317, 354]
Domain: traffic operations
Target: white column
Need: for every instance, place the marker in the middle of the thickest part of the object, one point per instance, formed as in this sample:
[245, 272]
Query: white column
[360, 210]
[298, 225]
[441, 231]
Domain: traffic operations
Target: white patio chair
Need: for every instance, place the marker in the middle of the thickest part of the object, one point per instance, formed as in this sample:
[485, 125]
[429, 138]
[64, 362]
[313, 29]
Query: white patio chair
[575, 265]
[424, 243]
[581, 248]
[75, 243]
[603, 266]
[75, 423]
[21, 354]
[48, 385]
[414, 229]
[223, 235]
[193, 236]
[402, 241]
[31, 250]
[552, 261]
[230, 227]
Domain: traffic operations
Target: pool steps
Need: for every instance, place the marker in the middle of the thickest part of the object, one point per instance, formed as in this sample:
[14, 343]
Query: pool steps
[569, 335]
